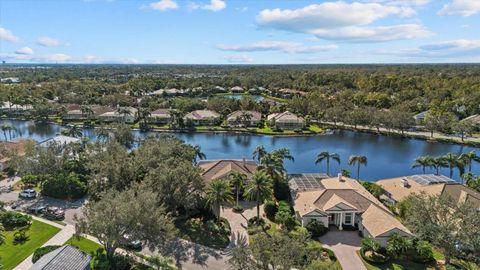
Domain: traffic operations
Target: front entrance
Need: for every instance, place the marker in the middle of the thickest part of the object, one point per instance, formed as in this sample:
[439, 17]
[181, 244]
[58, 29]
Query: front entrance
[341, 219]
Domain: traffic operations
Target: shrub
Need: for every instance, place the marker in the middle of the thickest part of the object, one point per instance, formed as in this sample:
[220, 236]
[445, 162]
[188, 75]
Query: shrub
[270, 208]
[39, 252]
[398, 246]
[21, 235]
[316, 228]
[375, 257]
[237, 209]
[30, 180]
[284, 215]
[423, 252]
[64, 186]
[373, 188]
[282, 191]
[12, 220]
[254, 221]
[212, 226]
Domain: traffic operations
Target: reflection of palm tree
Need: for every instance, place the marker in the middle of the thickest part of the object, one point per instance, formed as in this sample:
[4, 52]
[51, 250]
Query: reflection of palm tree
[327, 156]
[9, 129]
[359, 160]
[218, 193]
[102, 133]
[198, 153]
[424, 162]
[259, 189]
[75, 131]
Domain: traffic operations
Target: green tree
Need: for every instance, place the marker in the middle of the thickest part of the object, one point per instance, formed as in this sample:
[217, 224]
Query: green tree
[424, 162]
[218, 193]
[198, 153]
[327, 156]
[358, 160]
[468, 158]
[259, 153]
[259, 189]
[74, 131]
[398, 246]
[238, 180]
[438, 163]
[452, 162]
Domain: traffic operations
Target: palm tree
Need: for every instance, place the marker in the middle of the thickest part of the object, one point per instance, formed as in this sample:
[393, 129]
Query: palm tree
[452, 162]
[327, 156]
[272, 166]
[123, 112]
[87, 110]
[359, 160]
[198, 153]
[424, 162]
[259, 189]
[468, 158]
[7, 128]
[237, 179]
[259, 152]
[283, 153]
[218, 193]
[438, 163]
[74, 131]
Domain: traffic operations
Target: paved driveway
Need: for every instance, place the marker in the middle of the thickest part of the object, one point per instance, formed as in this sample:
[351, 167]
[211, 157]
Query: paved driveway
[238, 222]
[345, 245]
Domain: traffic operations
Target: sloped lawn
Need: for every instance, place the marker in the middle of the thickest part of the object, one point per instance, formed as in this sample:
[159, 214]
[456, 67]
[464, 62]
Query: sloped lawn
[12, 254]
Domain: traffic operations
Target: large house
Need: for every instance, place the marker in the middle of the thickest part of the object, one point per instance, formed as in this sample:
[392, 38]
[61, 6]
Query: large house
[75, 112]
[15, 109]
[202, 117]
[219, 169]
[342, 202]
[285, 120]
[122, 114]
[66, 257]
[244, 118]
[474, 119]
[396, 189]
[160, 116]
[420, 117]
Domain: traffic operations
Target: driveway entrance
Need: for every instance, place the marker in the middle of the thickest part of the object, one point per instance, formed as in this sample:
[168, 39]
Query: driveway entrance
[345, 245]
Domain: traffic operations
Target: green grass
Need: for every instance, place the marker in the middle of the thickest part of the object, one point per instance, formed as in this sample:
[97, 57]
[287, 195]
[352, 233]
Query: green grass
[12, 254]
[84, 244]
[200, 235]
[396, 265]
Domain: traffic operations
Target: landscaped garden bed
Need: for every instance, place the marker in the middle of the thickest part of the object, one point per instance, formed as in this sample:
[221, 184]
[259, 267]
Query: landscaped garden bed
[205, 231]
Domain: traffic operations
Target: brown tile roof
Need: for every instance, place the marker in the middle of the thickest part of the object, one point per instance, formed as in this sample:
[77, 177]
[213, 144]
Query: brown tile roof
[202, 114]
[18, 147]
[255, 115]
[161, 113]
[285, 117]
[378, 222]
[217, 169]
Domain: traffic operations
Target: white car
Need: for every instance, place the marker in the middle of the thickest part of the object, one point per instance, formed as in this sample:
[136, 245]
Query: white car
[28, 194]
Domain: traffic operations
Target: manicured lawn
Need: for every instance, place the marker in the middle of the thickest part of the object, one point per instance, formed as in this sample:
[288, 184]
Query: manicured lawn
[12, 254]
[397, 265]
[84, 244]
[200, 235]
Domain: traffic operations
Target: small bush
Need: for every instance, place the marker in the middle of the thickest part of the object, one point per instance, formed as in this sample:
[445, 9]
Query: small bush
[376, 258]
[270, 208]
[12, 220]
[254, 221]
[423, 252]
[39, 252]
[316, 228]
[212, 226]
[237, 209]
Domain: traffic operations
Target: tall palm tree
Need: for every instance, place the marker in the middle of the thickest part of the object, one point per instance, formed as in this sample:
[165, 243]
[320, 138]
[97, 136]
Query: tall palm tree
[237, 179]
[327, 156]
[452, 162]
[6, 128]
[198, 153]
[219, 192]
[272, 166]
[438, 163]
[468, 158]
[259, 152]
[283, 153]
[11, 129]
[358, 160]
[424, 162]
[75, 131]
[259, 189]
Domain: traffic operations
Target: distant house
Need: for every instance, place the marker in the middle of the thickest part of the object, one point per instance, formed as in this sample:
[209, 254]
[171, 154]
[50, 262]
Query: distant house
[285, 120]
[219, 169]
[7, 148]
[16, 109]
[237, 89]
[121, 114]
[289, 93]
[419, 118]
[160, 116]
[75, 112]
[202, 117]
[170, 92]
[396, 189]
[342, 202]
[244, 118]
[59, 140]
[66, 257]
[10, 80]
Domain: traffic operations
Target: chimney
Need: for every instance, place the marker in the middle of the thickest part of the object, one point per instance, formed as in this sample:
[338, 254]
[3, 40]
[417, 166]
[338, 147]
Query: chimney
[404, 183]
[340, 177]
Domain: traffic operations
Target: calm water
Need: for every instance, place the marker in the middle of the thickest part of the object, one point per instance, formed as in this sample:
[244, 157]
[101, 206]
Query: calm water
[239, 97]
[387, 156]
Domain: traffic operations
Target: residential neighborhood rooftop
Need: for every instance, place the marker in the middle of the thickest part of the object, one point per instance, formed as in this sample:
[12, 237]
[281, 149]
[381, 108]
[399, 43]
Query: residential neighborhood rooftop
[60, 139]
[217, 169]
[63, 258]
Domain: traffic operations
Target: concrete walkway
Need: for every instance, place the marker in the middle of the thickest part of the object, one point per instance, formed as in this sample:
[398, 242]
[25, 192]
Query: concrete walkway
[345, 244]
[239, 222]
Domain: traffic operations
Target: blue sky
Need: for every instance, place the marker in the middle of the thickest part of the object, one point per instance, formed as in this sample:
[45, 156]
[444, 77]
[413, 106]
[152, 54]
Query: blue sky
[239, 31]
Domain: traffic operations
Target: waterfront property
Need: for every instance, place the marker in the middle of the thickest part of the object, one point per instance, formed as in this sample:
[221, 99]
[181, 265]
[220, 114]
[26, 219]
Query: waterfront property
[237, 89]
[76, 112]
[218, 169]
[121, 114]
[419, 118]
[66, 257]
[396, 189]
[59, 140]
[244, 119]
[285, 120]
[344, 203]
[14, 109]
[474, 119]
[202, 117]
[160, 116]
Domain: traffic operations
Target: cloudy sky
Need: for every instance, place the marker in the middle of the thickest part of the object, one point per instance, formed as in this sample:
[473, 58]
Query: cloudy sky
[239, 31]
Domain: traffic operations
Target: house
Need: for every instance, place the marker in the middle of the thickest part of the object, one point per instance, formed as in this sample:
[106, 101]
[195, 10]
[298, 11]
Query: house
[8, 148]
[342, 202]
[474, 119]
[160, 116]
[65, 257]
[218, 169]
[419, 118]
[11, 108]
[244, 118]
[236, 89]
[202, 117]
[285, 120]
[289, 93]
[396, 189]
[59, 140]
[121, 114]
[75, 112]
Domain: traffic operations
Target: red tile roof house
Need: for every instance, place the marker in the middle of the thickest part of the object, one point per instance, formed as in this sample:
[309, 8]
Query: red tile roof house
[202, 118]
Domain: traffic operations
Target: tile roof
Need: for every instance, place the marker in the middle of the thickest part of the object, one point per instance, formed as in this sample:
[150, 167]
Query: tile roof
[202, 114]
[18, 147]
[378, 222]
[217, 169]
[161, 113]
[63, 258]
[255, 115]
[285, 117]
[61, 139]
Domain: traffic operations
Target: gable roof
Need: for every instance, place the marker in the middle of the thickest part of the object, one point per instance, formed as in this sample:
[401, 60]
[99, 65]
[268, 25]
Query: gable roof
[161, 113]
[255, 115]
[202, 114]
[285, 117]
[66, 257]
[475, 119]
[60, 139]
[217, 169]
[378, 222]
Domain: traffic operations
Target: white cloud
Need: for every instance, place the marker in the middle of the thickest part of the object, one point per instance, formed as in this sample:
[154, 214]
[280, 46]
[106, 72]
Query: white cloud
[284, 46]
[238, 59]
[345, 21]
[164, 5]
[214, 5]
[460, 8]
[58, 57]
[7, 35]
[401, 2]
[25, 51]
[442, 50]
[52, 58]
[47, 41]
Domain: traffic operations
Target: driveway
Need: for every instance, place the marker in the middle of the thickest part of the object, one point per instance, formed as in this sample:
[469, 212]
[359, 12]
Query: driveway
[239, 222]
[345, 245]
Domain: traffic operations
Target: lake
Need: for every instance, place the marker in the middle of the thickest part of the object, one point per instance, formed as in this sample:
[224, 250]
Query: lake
[387, 156]
[239, 97]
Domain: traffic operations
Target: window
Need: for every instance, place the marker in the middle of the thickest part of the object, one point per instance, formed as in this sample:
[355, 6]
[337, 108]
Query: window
[348, 218]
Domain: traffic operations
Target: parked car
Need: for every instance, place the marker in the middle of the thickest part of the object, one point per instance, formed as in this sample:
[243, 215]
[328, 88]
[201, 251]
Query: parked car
[38, 208]
[55, 213]
[28, 194]
[132, 244]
